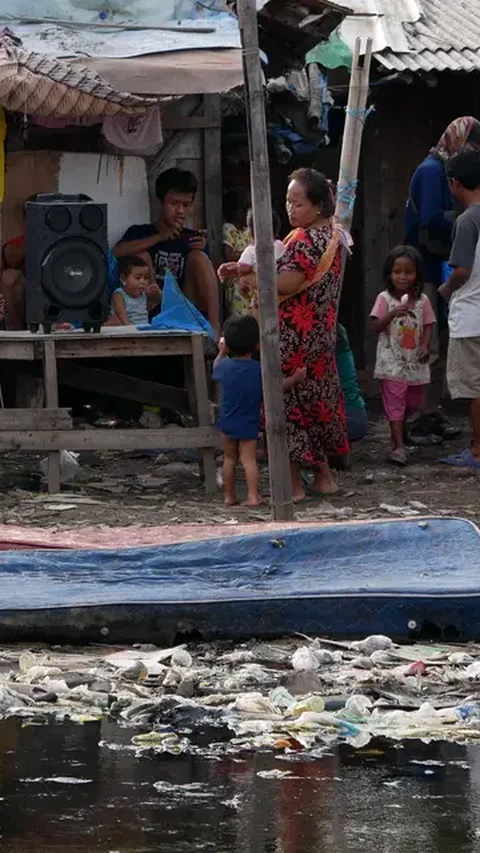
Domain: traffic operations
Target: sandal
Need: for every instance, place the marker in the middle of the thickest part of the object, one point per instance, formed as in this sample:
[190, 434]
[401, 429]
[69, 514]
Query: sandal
[398, 457]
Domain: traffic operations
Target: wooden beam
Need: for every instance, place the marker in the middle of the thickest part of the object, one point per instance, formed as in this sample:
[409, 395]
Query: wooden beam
[26, 419]
[50, 379]
[114, 384]
[170, 438]
[191, 122]
[17, 350]
[212, 171]
[204, 413]
[102, 346]
[280, 479]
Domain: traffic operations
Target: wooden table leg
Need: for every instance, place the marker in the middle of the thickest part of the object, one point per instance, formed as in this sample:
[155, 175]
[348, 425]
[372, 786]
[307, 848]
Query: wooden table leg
[51, 399]
[203, 411]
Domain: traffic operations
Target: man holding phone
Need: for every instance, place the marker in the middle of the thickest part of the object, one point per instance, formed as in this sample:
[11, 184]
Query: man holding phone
[169, 245]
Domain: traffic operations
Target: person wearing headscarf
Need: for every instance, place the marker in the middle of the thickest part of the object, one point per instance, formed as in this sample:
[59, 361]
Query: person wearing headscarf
[430, 217]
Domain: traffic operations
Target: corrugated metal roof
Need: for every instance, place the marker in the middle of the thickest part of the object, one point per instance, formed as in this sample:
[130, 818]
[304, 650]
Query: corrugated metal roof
[445, 38]
[418, 35]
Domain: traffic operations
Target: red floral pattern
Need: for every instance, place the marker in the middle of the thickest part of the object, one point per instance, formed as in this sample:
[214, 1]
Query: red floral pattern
[315, 409]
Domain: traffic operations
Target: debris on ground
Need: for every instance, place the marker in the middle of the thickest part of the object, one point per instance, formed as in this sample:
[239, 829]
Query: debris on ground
[151, 488]
[290, 695]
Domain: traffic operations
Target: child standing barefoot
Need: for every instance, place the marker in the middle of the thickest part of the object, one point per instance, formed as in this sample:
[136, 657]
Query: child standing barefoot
[403, 318]
[240, 411]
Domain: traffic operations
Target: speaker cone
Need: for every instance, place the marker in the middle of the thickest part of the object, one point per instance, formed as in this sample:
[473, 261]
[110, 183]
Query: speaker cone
[73, 272]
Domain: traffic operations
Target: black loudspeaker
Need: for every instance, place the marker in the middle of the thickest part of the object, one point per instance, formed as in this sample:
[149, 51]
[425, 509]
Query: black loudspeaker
[66, 275]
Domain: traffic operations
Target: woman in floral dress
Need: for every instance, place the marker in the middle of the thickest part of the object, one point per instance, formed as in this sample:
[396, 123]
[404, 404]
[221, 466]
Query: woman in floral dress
[308, 287]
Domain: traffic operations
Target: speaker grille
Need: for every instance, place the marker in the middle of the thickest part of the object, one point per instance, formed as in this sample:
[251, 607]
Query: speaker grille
[74, 272]
[58, 219]
[91, 217]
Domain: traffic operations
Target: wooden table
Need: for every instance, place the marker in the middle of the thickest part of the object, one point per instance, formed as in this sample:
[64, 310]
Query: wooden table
[50, 430]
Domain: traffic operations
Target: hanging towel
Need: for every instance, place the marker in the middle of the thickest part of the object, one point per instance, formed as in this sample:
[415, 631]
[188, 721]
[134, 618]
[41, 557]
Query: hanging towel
[137, 134]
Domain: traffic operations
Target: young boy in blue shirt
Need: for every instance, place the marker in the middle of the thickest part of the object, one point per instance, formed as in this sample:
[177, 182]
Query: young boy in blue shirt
[239, 374]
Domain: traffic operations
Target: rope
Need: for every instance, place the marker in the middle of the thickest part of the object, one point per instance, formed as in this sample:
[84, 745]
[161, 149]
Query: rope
[361, 114]
[346, 195]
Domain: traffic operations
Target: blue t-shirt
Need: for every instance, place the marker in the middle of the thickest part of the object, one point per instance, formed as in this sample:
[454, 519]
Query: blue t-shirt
[166, 254]
[240, 409]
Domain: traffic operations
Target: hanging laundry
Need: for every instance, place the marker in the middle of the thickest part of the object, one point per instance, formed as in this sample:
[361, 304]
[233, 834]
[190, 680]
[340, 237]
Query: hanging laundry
[135, 134]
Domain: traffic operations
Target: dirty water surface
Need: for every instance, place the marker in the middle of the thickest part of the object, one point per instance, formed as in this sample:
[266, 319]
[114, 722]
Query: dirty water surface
[78, 788]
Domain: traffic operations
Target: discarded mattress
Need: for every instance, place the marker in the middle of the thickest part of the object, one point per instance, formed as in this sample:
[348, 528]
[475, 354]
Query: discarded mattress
[412, 579]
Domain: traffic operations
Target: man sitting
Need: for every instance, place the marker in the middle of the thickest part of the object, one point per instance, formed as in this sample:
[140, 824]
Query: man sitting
[169, 245]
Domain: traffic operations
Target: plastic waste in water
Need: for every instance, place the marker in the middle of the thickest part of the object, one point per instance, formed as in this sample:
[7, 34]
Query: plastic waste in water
[460, 658]
[307, 703]
[182, 658]
[253, 703]
[358, 705]
[473, 671]
[374, 643]
[305, 660]
[281, 698]
[467, 711]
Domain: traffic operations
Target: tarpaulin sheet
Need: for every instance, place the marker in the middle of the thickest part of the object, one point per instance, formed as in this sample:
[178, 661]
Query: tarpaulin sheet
[341, 578]
[84, 28]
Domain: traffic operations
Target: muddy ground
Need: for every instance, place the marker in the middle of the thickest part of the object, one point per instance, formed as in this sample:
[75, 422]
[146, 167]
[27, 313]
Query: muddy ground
[117, 489]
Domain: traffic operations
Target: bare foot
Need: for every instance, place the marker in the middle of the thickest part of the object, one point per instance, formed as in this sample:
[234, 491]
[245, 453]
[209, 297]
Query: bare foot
[298, 496]
[325, 485]
[254, 500]
[230, 500]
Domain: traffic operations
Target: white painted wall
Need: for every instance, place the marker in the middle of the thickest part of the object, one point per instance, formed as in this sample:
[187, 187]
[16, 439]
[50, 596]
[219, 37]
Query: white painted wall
[119, 182]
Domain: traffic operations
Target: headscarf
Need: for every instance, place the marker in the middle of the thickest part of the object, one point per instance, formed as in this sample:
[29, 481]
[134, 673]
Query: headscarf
[460, 132]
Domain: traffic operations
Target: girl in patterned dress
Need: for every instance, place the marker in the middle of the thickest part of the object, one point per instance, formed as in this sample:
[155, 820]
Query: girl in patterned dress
[403, 318]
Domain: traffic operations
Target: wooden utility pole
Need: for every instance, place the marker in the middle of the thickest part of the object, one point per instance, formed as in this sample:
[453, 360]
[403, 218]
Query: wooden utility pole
[280, 481]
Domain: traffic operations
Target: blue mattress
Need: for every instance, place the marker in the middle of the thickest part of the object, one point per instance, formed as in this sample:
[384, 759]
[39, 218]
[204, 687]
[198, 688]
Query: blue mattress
[407, 579]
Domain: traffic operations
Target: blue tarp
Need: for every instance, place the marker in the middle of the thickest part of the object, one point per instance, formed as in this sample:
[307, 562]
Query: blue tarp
[178, 313]
[340, 579]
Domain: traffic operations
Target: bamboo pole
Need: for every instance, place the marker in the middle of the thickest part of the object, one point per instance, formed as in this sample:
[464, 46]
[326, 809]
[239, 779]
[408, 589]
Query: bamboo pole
[352, 134]
[280, 481]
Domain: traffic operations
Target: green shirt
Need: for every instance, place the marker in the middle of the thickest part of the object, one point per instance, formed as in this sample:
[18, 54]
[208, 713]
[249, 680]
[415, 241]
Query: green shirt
[347, 371]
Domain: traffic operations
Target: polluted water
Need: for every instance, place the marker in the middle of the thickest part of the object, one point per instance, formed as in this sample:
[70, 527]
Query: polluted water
[283, 745]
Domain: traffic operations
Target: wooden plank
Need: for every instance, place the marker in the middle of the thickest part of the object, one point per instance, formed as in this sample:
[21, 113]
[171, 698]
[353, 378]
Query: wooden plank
[31, 419]
[120, 385]
[212, 171]
[17, 350]
[203, 412]
[191, 122]
[105, 347]
[279, 467]
[50, 379]
[169, 438]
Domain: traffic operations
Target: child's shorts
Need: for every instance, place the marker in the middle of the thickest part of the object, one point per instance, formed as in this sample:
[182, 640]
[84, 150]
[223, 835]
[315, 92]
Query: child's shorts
[398, 397]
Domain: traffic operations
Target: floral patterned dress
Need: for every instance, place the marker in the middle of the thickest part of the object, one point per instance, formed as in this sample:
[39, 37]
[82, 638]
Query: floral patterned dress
[315, 409]
[238, 239]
